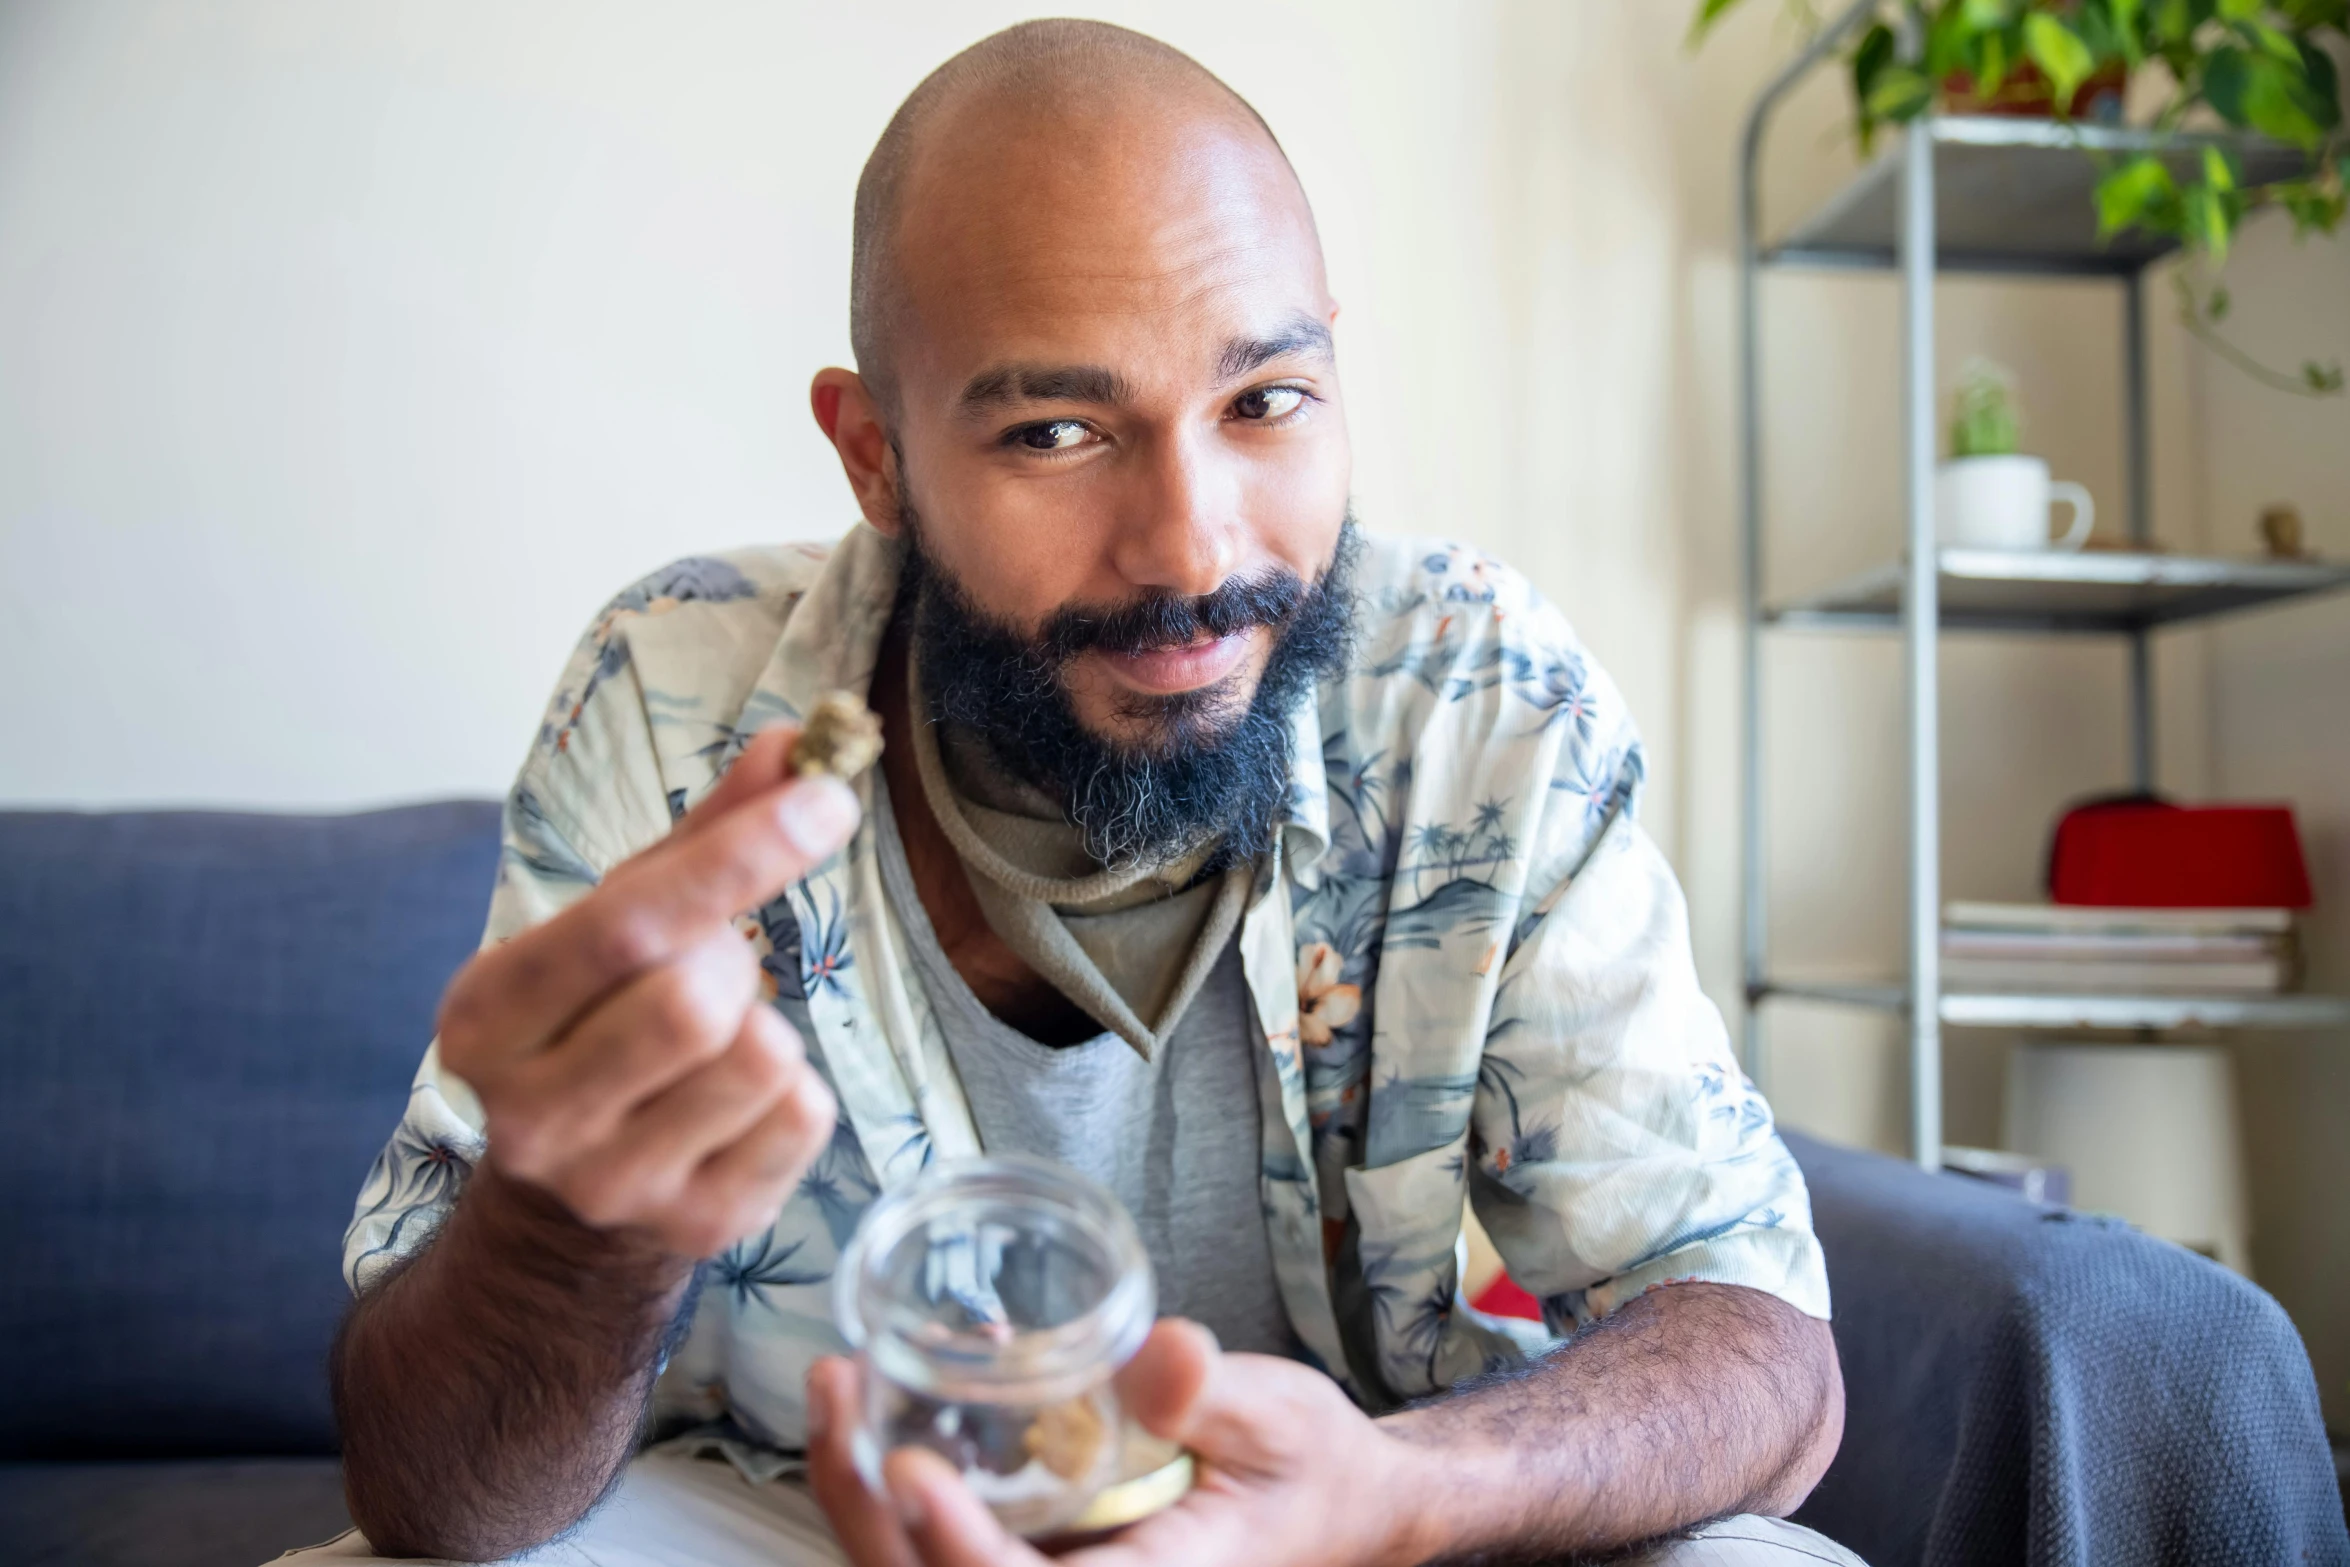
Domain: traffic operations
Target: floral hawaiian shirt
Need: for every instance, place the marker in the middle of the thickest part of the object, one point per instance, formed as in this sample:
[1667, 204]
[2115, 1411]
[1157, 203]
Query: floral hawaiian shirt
[1471, 966]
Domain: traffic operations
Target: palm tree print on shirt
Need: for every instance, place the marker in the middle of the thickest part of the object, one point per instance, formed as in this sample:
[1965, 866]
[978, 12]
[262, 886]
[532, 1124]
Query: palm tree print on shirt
[751, 1269]
[698, 579]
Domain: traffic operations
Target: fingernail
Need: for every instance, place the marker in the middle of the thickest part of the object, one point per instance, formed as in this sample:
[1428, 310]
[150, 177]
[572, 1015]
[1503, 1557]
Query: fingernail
[908, 1504]
[817, 814]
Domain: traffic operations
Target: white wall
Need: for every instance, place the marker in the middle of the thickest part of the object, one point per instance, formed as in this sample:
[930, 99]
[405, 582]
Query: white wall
[2280, 730]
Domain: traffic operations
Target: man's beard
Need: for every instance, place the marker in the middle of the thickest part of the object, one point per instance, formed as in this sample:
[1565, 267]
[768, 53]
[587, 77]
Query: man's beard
[1216, 767]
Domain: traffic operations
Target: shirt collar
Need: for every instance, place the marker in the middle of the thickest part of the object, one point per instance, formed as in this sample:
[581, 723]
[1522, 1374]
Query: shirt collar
[1305, 829]
[833, 638]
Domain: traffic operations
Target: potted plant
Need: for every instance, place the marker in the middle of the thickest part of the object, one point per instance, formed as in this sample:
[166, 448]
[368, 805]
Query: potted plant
[2252, 65]
[1989, 495]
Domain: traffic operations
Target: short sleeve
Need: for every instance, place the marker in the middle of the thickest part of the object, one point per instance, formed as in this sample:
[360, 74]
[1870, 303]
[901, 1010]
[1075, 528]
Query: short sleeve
[1617, 1145]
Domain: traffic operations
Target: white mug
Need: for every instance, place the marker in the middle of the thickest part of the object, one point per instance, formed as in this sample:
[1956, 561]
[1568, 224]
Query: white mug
[2001, 503]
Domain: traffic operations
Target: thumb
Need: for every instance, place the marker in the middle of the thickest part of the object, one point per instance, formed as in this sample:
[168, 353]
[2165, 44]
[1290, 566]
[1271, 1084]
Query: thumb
[1162, 1385]
[1244, 1414]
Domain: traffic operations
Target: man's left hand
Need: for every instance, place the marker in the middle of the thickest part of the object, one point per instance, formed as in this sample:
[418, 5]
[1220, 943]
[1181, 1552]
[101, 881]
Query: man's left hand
[1291, 1474]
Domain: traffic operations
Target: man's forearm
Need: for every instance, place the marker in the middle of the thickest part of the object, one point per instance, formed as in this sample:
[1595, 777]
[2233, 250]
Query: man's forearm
[490, 1391]
[1693, 1401]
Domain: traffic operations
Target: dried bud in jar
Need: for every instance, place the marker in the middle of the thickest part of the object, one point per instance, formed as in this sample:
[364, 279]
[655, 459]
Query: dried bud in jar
[842, 737]
[1066, 1438]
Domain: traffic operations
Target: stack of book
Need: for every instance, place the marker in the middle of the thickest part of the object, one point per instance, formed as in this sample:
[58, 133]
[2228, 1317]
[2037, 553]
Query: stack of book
[2073, 949]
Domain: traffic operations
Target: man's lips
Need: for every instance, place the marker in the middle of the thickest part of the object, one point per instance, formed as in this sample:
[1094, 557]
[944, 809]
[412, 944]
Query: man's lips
[1169, 671]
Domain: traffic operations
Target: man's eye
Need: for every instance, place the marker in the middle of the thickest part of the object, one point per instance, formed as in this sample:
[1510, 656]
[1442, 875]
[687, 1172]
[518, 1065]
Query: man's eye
[1267, 403]
[1054, 435]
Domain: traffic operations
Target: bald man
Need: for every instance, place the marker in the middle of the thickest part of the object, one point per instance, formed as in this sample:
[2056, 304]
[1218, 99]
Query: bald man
[1282, 879]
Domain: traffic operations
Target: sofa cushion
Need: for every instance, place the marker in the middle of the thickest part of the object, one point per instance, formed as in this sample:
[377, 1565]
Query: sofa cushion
[209, 1023]
[2026, 1384]
[180, 1513]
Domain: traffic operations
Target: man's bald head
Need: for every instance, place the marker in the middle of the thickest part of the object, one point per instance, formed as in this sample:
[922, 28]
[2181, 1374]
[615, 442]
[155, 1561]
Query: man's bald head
[1097, 401]
[1036, 73]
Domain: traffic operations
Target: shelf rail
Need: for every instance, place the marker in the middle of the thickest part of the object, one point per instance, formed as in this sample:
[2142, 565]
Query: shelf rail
[1921, 650]
[1753, 916]
[1919, 607]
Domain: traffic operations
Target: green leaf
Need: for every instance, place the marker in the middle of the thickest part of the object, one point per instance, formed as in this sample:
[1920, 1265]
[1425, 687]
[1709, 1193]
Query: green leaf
[1708, 13]
[2210, 223]
[2239, 10]
[2281, 104]
[2275, 44]
[2308, 14]
[1872, 54]
[2060, 54]
[2321, 378]
[2219, 170]
[1900, 94]
[1983, 15]
[1994, 72]
[2321, 85]
[2227, 76]
[2132, 192]
[2315, 209]
[2226, 83]
[2126, 29]
[2261, 93]
[1870, 57]
[1946, 43]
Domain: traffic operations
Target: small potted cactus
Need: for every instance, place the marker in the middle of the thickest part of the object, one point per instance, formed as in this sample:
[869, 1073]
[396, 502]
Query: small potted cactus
[1984, 418]
[1989, 496]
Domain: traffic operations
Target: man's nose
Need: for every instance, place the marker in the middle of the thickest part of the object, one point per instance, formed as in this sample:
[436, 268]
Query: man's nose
[1182, 532]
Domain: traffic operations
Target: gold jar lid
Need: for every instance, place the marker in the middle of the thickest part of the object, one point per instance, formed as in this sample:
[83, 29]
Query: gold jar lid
[1131, 1500]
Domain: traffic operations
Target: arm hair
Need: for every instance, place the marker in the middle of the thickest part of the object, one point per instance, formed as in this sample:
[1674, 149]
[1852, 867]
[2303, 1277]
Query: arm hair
[492, 1389]
[1691, 1402]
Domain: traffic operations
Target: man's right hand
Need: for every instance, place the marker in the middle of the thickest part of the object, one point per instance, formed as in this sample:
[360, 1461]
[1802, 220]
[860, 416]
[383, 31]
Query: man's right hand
[622, 1052]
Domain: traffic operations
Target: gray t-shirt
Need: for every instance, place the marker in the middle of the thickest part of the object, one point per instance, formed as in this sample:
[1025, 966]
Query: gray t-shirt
[1177, 1138]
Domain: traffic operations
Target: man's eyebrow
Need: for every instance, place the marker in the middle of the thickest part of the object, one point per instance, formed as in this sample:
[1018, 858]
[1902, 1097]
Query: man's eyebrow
[1301, 335]
[1041, 384]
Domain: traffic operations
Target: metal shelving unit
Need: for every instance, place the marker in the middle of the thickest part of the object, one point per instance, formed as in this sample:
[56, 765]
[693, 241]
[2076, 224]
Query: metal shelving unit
[1996, 195]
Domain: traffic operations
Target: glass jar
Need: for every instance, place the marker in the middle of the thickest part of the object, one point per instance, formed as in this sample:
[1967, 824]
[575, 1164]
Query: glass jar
[991, 1302]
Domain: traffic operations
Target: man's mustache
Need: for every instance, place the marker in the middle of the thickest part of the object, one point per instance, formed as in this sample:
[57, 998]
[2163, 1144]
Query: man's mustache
[1166, 620]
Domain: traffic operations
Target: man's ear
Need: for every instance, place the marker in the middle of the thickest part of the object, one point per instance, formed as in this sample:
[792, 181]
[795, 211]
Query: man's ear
[851, 420]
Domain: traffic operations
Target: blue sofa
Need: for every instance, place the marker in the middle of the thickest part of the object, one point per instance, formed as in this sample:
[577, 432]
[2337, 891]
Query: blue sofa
[209, 1021]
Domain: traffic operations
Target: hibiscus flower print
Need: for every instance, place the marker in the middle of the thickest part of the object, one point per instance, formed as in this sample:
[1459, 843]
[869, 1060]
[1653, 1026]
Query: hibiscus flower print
[1324, 1006]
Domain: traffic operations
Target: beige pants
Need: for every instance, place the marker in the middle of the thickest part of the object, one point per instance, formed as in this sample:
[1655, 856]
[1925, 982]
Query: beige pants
[687, 1512]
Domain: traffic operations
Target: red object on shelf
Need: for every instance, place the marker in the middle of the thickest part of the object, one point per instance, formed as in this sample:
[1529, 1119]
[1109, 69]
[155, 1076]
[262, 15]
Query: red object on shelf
[2026, 94]
[1503, 1298]
[2151, 854]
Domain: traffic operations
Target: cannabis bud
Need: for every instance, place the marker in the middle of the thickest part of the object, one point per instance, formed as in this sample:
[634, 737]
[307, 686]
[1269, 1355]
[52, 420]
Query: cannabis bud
[842, 737]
